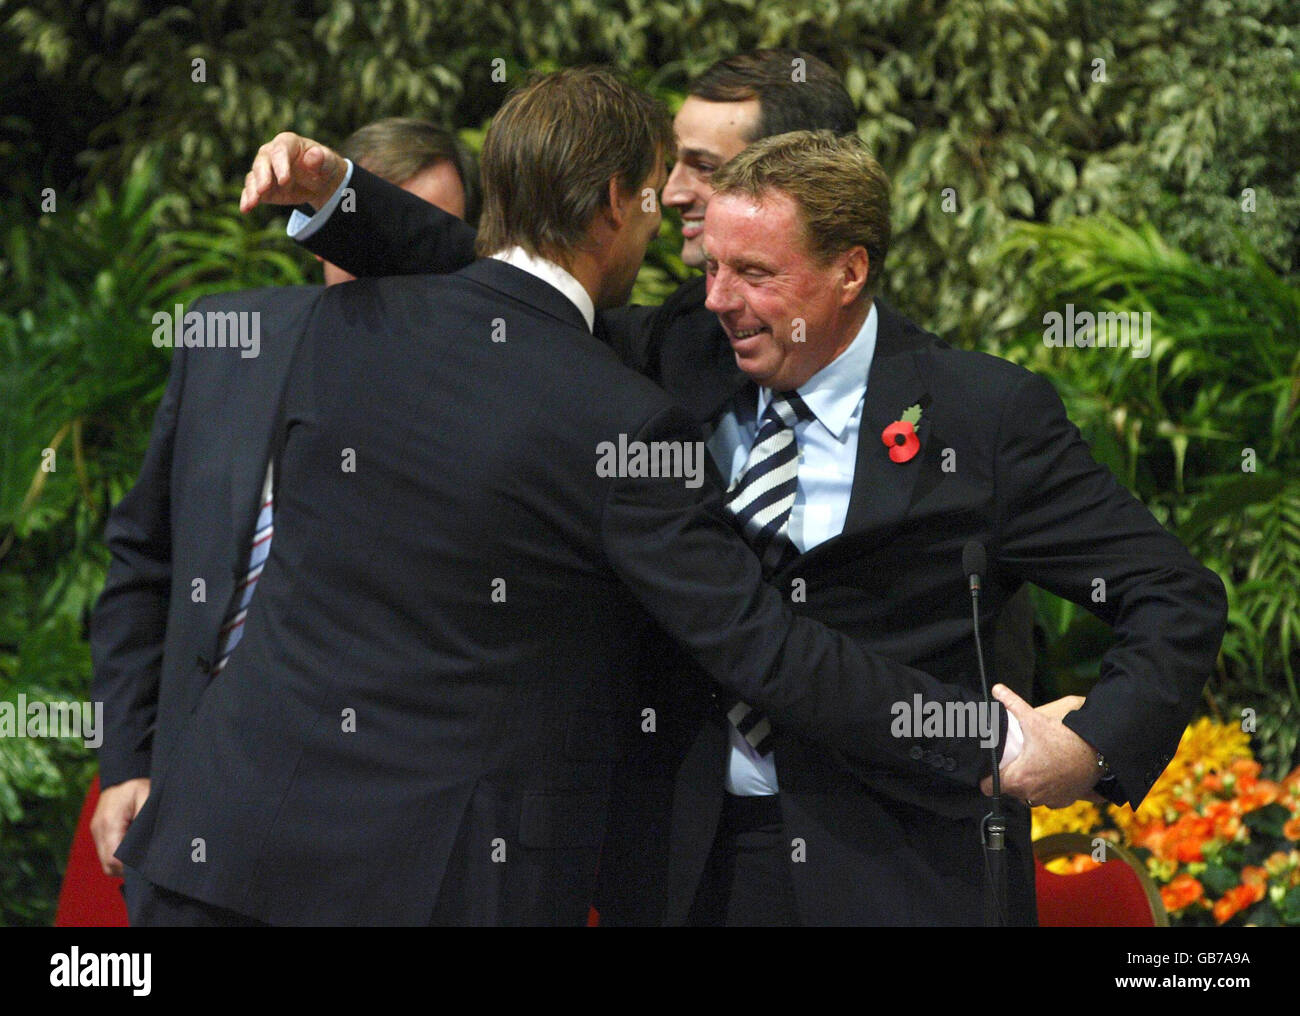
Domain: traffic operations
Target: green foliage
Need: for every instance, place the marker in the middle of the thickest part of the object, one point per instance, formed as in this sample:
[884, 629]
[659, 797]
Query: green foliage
[1202, 430]
[1003, 102]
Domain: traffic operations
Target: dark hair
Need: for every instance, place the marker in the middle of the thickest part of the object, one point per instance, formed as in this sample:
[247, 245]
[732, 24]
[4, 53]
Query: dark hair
[795, 91]
[399, 148]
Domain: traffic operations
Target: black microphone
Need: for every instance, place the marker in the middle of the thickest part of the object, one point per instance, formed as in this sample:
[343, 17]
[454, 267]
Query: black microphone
[974, 563]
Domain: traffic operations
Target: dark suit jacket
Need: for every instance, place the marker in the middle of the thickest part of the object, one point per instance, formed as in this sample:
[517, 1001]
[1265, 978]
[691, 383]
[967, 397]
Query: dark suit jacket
[881, 848]
[1025, 485]
[423, 719]
[189, 516]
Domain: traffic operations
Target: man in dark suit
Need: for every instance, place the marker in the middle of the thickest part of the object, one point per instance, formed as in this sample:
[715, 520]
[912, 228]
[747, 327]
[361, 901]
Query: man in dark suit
[951, 446]
[795, 231]
[423, 718]
[187, 539]
[997, 461]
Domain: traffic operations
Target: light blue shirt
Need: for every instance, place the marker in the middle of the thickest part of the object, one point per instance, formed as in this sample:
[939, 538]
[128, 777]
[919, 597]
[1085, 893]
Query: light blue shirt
[828, 452]
[302, 227]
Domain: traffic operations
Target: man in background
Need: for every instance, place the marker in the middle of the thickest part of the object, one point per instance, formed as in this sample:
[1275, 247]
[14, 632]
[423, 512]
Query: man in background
[189, 540]
[421, 158]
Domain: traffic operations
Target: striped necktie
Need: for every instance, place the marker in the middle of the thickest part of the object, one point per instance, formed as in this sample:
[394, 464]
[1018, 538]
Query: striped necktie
[761, 502]
[232, 630]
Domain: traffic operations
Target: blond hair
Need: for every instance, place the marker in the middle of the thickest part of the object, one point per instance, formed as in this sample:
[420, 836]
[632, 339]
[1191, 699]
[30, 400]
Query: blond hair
[840, 189]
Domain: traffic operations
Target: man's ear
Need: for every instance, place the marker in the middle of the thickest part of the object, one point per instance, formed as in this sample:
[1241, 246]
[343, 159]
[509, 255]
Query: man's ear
[617, 210]
[855, 271]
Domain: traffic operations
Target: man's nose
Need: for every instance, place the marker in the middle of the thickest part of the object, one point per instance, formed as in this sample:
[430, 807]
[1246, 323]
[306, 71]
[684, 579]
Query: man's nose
[722, 296]
[676, 193]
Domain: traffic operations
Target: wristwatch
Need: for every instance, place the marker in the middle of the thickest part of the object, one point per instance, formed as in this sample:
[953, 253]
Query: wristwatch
[1106, 784]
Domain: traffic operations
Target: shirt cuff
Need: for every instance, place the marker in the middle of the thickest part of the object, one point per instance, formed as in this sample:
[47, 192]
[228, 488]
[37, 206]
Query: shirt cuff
[1015, 742]
[301, 227]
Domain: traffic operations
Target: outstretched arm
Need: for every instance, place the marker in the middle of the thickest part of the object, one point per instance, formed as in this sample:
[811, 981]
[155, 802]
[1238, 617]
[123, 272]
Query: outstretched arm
[378, 229]
[679, 554]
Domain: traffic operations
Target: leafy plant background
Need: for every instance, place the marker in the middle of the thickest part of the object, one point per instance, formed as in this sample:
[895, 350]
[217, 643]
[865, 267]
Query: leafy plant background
[1096, 153]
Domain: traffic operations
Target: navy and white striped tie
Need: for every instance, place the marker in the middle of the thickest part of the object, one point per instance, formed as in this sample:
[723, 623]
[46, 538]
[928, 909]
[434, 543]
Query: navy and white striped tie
[232, 630]
[761, 501]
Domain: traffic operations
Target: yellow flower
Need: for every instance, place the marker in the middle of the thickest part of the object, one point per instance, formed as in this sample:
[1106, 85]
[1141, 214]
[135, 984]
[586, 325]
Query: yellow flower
[1205, 746]
[1215, 745]
[1080, 817]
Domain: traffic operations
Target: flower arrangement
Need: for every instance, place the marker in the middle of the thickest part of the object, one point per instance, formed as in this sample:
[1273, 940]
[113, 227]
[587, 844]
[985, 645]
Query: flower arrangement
[1222, 844]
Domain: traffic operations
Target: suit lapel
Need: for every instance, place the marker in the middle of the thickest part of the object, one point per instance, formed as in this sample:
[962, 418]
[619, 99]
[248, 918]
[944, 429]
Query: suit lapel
[882, 488]
[259, 386]
[250, 439]
[248, 461]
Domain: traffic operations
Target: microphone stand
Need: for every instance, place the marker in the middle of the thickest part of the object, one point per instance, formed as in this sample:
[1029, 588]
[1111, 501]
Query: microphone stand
[993, 829]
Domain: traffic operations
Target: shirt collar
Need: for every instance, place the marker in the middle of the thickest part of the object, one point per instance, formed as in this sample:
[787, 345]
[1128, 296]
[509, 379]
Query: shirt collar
[552, 274]
[833, 393]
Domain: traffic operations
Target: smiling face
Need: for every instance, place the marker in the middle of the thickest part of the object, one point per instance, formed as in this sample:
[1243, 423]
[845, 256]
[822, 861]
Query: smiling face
[708, 134]
[786, 315]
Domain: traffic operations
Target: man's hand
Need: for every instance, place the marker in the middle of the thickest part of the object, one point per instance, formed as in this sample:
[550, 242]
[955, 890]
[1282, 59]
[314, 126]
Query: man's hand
[117, 808]
[1056, 767]
[291, 170]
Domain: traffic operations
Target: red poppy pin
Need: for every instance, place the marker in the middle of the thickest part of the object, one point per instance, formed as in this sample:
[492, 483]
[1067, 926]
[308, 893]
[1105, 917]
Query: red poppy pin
[900, 436]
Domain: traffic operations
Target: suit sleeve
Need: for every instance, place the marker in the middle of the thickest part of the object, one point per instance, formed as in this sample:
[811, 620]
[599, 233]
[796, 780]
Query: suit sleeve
[390, 231]
[129, 622]
[676, 550]
[1067, 525]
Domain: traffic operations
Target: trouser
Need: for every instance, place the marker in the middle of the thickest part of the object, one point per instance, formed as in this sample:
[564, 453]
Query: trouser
[746, 881]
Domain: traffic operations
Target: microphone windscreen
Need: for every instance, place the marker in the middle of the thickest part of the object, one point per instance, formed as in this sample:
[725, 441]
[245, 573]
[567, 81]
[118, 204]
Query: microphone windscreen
[973, 558]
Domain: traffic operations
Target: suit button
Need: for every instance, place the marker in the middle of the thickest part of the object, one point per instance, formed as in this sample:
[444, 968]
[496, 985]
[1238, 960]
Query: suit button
[203, 663]
[915, 754]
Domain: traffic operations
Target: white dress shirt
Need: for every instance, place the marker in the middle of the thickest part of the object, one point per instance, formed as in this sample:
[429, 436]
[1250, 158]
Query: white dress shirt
[828, 450]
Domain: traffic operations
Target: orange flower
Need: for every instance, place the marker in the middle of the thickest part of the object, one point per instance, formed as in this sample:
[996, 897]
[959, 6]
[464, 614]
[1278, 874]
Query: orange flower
[1259, 794]
[1212, 783]
[1292, 780]
[1226, 827]
[1180, 892]
[1257, 879]
[1245, 767]
[1291, 829]
[1233, 902]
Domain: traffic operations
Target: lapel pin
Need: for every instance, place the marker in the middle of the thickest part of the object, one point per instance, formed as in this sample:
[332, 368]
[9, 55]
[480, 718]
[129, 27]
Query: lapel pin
[900, 436]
